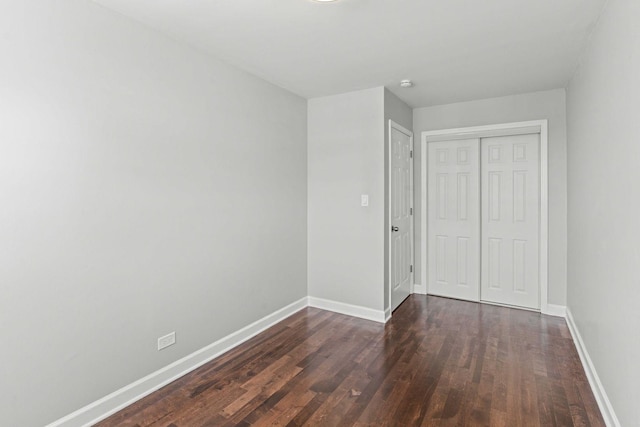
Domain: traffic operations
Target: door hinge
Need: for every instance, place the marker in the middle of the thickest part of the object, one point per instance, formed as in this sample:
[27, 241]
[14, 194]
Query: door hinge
[411, 154]
[411, 269]
[410, 211]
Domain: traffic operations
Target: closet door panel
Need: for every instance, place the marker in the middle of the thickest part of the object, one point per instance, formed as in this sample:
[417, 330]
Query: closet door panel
[453, 219]
[510, 220]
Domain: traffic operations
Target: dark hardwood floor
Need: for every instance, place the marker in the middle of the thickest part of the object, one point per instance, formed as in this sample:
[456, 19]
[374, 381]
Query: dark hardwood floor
[438, 362]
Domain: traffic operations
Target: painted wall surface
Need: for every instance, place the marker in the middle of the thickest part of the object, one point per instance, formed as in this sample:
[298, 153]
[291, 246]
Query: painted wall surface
[345, 160]
[145, 188]
[394, 109]
[604, 204]
[548, 105]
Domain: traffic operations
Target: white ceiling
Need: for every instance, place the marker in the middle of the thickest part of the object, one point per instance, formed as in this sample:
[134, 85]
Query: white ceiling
[454, 50]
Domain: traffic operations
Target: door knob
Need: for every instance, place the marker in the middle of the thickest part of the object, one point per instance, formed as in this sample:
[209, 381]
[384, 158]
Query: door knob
[394, 228]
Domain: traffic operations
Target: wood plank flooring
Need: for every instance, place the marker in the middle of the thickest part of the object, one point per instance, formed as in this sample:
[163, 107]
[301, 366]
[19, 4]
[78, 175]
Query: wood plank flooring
[438, 362]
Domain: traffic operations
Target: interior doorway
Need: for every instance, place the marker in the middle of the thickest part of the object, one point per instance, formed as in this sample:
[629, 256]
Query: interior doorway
[484, 214]
[400, 187]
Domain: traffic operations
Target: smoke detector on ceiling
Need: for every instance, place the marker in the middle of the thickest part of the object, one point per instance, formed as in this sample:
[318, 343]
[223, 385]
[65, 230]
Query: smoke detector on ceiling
[406, 83]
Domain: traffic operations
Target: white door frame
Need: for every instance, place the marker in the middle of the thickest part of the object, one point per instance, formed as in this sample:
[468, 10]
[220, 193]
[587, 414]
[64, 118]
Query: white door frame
[517, 128]
[396, 126]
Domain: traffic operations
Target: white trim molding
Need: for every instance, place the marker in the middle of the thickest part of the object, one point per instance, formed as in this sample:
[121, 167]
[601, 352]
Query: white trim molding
[609, 415]
[349, 309]
[556, 310]
[517, 128]
[420, 288]
[120, 399]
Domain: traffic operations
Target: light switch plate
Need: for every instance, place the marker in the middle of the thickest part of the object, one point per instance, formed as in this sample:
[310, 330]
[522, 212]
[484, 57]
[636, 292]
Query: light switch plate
[364, 200]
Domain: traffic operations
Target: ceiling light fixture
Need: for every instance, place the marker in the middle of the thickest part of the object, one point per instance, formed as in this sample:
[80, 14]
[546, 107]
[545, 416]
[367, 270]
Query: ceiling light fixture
[406, 83]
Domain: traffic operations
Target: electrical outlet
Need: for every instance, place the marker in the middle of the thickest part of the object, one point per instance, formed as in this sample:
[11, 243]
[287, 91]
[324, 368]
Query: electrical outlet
[166, 341]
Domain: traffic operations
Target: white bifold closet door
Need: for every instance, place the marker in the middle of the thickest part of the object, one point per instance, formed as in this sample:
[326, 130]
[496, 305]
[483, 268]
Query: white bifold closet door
[453, 226]
[483, 219]
[510, 220]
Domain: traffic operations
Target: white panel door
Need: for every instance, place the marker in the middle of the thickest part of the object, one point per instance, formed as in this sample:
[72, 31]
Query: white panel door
[401, 196]
[510, 220]
[453, 224]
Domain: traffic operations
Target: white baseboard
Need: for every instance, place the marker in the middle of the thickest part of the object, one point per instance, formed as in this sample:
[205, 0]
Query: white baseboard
[135, 391]
[610, 418]
[348, 309]
[387, 315]
[555, 310]
[550, 309]
[420, 289]
[120, 399]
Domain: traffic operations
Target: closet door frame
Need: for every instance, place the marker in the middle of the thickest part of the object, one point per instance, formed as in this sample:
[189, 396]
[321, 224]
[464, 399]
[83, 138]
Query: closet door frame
[518, 128]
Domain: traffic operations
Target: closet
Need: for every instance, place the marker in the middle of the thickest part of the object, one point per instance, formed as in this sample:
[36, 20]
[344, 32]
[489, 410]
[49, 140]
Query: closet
[483, 217]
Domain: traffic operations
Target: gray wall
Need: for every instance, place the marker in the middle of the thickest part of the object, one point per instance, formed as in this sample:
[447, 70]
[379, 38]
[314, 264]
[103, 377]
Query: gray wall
[346, 159]
[146, 188]
[604, 204]
[530, 106]
[394, 109]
